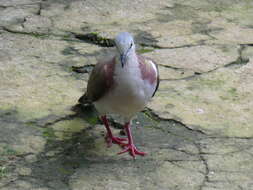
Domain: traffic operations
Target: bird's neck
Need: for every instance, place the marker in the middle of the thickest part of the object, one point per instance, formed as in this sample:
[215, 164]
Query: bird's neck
[131, 59]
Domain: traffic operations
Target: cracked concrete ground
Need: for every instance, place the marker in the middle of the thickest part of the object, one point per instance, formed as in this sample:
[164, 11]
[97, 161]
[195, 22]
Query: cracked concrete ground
[197, 130]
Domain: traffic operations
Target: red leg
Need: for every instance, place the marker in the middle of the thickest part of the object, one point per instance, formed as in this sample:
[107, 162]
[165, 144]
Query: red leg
[130, 147]
[109, 136]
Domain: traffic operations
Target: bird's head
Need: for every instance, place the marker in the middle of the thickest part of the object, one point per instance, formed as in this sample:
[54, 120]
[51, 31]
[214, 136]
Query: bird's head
[125, 45]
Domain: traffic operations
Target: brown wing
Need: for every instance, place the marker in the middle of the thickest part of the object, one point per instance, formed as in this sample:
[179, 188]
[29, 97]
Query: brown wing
[100, 80]
[148, 72]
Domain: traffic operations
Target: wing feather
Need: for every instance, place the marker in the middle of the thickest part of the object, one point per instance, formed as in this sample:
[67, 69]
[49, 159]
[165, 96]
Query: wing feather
[149, 71]
[100, 80]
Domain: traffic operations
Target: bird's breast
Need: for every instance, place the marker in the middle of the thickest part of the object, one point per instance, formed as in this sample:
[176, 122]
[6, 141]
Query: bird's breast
[130, 92]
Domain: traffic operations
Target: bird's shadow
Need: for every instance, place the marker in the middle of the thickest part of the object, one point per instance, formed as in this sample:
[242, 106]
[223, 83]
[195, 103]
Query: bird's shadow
[88, 112]
[86, 148]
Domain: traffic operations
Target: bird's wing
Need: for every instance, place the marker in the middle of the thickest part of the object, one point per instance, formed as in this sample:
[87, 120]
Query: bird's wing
[100, 80]
[149, 71]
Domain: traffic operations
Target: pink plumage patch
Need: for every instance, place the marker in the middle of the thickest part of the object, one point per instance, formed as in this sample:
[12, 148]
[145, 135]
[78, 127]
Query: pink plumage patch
[148, 71]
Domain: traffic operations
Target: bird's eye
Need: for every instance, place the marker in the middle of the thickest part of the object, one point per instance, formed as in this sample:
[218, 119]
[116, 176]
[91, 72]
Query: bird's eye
[131, 44]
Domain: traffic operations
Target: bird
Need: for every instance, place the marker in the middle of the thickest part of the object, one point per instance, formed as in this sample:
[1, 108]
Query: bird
[122, 84]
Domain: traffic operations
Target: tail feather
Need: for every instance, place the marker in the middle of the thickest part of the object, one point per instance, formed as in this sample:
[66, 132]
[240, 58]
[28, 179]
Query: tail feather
[84, 99]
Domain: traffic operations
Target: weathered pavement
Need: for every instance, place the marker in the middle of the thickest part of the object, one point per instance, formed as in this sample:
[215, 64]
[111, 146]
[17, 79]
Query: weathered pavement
[198, 129]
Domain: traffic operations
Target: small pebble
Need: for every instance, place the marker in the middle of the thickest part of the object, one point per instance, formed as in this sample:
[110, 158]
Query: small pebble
[31, 158]
[24, 171]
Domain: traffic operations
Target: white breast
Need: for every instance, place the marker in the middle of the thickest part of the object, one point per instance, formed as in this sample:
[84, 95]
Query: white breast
[130, 93]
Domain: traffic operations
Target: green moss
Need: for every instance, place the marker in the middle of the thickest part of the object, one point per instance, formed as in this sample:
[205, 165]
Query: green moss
[95, 38]
[177, 12]
[65, 129]
[92, 120]
[194, 98]
[95, 33]
[64, 171]
[233, 92]
[150, 116]
[6, 153]
[48, 133]
[224, 98]
[218, 9]
[141, 51]
[69, 51]
[211, 83]
[225, 49]
[34, 34]
[3, 171]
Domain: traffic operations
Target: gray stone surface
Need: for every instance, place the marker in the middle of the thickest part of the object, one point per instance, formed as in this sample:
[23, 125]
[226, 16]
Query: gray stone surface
[197, 130]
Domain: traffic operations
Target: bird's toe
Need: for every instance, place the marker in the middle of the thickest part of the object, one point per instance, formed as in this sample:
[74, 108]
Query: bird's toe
[115, 140]
[132, 150]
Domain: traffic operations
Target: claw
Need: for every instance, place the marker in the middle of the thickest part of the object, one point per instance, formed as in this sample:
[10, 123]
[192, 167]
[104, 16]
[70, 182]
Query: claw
[132, 150]
[114, 140]
[129, 147]
[109, 138]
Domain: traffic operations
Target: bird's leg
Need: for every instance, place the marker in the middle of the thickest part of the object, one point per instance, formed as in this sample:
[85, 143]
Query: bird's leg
[109, 136]
[130, 147]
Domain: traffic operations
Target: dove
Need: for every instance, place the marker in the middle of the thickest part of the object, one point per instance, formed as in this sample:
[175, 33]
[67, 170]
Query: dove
[122, 84]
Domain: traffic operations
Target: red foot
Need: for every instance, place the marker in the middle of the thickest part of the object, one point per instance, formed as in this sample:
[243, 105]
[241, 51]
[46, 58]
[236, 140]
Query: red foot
[115, 140]
[132, 150]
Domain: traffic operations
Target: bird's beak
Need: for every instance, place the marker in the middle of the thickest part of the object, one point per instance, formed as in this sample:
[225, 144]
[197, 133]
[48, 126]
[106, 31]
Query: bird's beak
[123, 56]
[123, 60]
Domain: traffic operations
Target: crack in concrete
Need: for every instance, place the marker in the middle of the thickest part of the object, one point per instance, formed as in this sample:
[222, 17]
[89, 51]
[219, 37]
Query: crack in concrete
[175, 163]
[207, 170]
[34, 34]
[19, 5]
[182, 151]
[171, 67]
[83, 69]
[155, 116]
[240, 61]
[31, 179]
[182, 160]
[94, 38]
[65, 37]
[91, 38]
[250, 44]
[207, 33]
[40, 8]
[196, 74]
[65, 118]
[41, 122]
[230, 137]
[169, 47]
[9, 182]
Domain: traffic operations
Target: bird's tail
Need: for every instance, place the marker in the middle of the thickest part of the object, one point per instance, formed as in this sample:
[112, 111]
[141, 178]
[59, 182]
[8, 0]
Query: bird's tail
[84, 100]
[83, 106]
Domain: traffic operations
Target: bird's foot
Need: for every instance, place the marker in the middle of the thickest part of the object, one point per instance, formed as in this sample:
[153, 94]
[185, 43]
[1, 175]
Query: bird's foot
[132, 150]
[114, 140]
